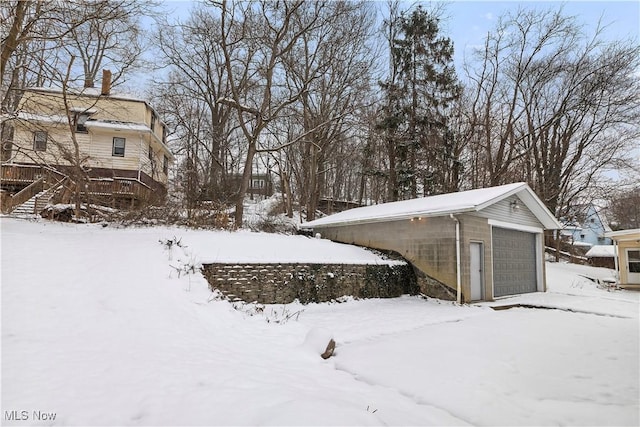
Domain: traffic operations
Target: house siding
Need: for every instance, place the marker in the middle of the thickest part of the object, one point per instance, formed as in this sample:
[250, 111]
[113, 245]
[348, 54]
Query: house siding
[101, 150]
[588, 228]
[23, 151]
[502, 211]
[623, 243]
[107, 107]
[96, 145]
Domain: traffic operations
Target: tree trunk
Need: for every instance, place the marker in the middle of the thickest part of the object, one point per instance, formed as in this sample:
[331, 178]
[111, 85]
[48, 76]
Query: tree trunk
[287, 191]
[9, 44]
[244, 184]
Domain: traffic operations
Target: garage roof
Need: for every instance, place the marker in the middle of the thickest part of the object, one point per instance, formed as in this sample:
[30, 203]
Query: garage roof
[443, 204]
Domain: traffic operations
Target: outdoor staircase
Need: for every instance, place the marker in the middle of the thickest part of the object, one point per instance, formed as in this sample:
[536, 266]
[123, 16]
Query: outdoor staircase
[34, 205]
[33, 198]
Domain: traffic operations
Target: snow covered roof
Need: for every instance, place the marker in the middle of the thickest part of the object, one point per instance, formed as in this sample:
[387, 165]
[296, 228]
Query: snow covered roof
[41, 118]
[95, 93]
[109, 124]
[568, 230]
[631, 234]
[89, 91]
[582, 244]
[443, 204]
[601, 251]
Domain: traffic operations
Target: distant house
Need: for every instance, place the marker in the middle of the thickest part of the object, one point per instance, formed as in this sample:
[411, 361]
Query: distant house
[122, 146]
[585, 227]
[261, 184]
[627, 243]
[471, 246]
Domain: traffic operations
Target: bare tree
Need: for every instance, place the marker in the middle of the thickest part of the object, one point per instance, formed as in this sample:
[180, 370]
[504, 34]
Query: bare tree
[624, 209]
[255, 39]
[189, 99]
[334, 62]
[551, 106]
[110, 36]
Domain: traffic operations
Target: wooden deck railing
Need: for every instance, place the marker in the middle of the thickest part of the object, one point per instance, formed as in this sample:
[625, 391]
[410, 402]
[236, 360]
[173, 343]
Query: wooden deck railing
[39, 178]
[21, 173]
[122, 187]
[27, 173]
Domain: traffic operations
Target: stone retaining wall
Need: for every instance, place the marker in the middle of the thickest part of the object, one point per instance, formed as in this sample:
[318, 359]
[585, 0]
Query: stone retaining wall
[284, 283]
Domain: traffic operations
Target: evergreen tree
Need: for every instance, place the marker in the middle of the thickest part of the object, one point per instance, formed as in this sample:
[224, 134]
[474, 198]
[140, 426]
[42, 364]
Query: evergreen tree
[421, 91]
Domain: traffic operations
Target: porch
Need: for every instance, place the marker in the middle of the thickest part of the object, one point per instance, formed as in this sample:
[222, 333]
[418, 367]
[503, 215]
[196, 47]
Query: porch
[21, 183]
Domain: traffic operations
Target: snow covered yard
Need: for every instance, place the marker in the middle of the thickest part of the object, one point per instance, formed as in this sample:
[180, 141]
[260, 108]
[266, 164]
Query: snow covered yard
[99, 328]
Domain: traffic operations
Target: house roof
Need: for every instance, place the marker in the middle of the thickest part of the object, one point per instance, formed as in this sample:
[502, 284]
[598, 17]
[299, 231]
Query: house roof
[440, 205]
[89, 92]
[590, 210]
[622, 235]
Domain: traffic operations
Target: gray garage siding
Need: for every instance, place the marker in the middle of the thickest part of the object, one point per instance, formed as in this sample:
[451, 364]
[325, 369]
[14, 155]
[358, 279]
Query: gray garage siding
[502, 211]
[514, 262]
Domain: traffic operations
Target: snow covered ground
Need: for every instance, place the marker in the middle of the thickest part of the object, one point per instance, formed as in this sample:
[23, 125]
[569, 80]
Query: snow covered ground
[98, 328]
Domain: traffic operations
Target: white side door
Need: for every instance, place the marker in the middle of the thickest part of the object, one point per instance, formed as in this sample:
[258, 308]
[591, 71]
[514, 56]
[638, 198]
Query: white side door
[476, 270]
[633, 265]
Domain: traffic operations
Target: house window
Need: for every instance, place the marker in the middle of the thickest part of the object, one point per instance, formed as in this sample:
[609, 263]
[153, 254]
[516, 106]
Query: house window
[118, 147]
[165, 165]
[80, 120]
[150, 153]
[164, 134]
[153, 120]
[633, 259]
[258, 183]
[40, 140]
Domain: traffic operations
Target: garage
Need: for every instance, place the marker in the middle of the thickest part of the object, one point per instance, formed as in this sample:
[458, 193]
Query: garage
[468, 246]
[514, 262]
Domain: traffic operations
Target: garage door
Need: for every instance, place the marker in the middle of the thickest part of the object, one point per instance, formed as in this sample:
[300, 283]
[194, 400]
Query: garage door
[514, 262]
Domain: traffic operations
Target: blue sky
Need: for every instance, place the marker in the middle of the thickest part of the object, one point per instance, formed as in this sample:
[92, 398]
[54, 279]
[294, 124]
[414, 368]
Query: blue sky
[468, 21]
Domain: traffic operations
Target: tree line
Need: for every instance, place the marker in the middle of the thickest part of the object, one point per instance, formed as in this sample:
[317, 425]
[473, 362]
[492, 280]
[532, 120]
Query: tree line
[335, 102]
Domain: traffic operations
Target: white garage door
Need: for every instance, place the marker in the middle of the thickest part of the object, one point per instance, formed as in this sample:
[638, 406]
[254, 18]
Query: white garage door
[514, 262]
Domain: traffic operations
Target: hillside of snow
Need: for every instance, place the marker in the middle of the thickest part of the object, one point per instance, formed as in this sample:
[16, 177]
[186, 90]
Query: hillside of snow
[98, 328]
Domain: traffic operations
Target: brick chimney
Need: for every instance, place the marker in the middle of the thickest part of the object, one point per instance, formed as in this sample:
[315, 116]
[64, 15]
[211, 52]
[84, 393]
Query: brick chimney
[106, 82]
